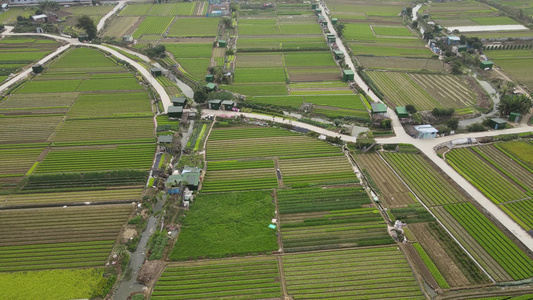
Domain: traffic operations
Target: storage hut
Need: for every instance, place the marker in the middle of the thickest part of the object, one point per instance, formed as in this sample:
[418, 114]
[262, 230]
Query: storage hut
[127, 38]
[164, 139]
[214, 104]
[339, 54]
[401, 112]
[462, 48]
[425, 132]
[347, 75]
[334, 21]
[211, 87]
[222, 43]
[175, 111]
[453, 40]
[179, 101]
[37, 68]
[324, 23]
[486, 64]
[156, 72]
[209, 78]
[497, 123]
[318, 11]
[227, 104]
[331, 38]
[378, 108]
[514, 117]
[313, 6]
[191, 180]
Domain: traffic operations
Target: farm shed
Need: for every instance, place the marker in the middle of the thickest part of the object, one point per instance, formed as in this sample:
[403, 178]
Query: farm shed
[514, 117]
[331, 38]
[211, 87]
[324, 23]
[313, 6]
[318, 10]
[497, 123]
[347, 75]
[179, 101]
[453, 40]
[190, 179]
[486, 64]
[227, 104]
[462, 48]
[5, 6]
[425, 132]
[214, 104]
[401, 112]
[378, 108]
[339, 54]
[164, 139]
[334, 21]
[222, 43]
[156, 72]
[175, 111]
[39, 18]
[209, 78]
[127, 38]
[37, 68]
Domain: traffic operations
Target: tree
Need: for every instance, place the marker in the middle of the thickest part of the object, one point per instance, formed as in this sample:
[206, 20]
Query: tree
[414, 24]
[409, 11]
[87, 24]
[428, 35]
[453, 123]
[339, 27]
[514, 103]
[410, 109]
[227, 22]
[200, 95]
[234, 7]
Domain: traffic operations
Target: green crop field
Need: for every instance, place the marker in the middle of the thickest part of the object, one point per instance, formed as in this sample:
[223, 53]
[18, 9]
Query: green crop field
[487, 164]
[255, 75]
[400, 63]
[119, 26]
[228, 224]
[316, 170]
[516, 63]
[172, 9]
[125, 195]
[261, 60]
[350, 274]
[78, 59]
[507, 254]
[194, 27]
[306, 59]
[196, 66]
[342, 101]
[99, 105]
[97, 158]
[236, 278]
[50, 86]
[392, 31]
[23, 129]
[190, 50]
[104, 129]
[82, 237]
[109, 84]
[300, 29]
[153, 25]
[18, 161]
[430, 186]
[257, 89]
[239, 175]
[136, 10]
[51, 284]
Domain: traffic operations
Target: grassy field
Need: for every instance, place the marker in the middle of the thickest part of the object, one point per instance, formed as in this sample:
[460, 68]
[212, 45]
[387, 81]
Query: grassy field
[190, 50]
[228, 224]
[256, 75]
[516, 63]
[153, 25]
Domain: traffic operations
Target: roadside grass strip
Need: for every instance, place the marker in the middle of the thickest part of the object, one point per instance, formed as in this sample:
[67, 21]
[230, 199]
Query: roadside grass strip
[430, 186]
[344, 274]
[483, 176]
[500, 247]
[53, 238]
[318, 170]
[236, 278]
[431, 266]
[227, 224]
[114, 195]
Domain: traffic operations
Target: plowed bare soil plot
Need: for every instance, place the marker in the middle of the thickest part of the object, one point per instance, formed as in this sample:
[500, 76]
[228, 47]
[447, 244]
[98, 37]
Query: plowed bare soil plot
[51, 238]
[394, 193]
[445, 264]
[18, 161]
[235, 278]
[120, 26]
[350, 274]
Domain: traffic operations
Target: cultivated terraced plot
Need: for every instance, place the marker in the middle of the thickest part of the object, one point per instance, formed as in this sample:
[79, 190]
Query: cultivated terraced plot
[239, 175]
[36, 239]
[236, 278]
[344, 274]
[332, 169]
